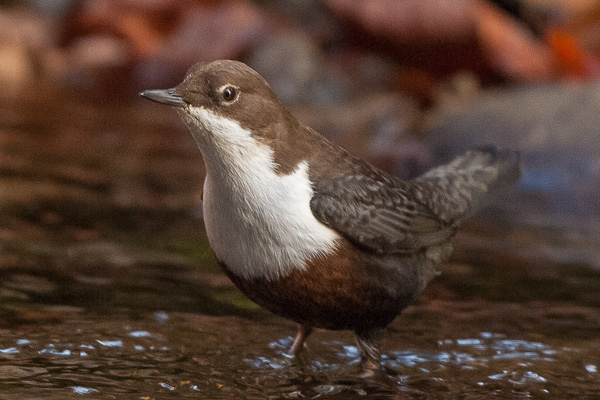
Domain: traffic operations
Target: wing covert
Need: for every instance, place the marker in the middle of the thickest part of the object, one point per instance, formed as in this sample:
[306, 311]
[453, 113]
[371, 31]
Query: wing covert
[374, 214]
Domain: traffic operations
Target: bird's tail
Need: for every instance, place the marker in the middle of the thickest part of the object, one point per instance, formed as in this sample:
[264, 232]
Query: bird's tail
[469, 181]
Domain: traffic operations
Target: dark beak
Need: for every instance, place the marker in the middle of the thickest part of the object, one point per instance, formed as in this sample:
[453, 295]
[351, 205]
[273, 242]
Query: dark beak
[164, 96]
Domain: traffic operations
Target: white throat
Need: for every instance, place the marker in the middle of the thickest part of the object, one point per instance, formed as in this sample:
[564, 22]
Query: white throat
[258, 223]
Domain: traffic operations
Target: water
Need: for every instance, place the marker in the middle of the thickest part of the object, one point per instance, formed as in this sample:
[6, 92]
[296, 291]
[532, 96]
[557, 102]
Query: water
[108, 349]
[108, 289]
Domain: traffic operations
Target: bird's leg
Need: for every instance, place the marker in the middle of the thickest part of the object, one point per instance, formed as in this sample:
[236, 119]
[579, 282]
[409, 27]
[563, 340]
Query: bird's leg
[303, 332]
[369, 343]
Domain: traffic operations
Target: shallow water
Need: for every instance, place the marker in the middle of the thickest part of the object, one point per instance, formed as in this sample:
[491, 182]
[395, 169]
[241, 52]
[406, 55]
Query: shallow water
[139, 336]
[108, 289]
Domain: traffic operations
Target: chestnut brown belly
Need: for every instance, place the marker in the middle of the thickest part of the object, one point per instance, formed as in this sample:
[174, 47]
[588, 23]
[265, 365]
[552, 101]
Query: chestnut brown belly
[346, 290]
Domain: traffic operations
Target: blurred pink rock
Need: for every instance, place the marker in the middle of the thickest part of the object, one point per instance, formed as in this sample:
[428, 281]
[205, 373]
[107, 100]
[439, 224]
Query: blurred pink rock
[153, 42]
[22, 36]
[511, 49]
[207, 31]
[410, 20]
[472, 30]
[16, 67]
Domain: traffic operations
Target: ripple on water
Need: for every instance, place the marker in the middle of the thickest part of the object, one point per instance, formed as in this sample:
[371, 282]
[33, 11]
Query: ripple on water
[83, 390]
[480, 350]
[496, 364]
[591, 368]
[146, 360]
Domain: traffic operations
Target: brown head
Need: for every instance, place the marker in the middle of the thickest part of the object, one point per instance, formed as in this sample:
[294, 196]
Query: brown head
[232, 91]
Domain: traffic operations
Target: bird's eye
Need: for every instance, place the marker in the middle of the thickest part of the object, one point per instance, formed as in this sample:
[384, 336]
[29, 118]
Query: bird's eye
[229, 93]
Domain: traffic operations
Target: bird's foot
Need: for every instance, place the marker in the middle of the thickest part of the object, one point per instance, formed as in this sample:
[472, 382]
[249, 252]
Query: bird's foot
[369, 344]
[304, 332]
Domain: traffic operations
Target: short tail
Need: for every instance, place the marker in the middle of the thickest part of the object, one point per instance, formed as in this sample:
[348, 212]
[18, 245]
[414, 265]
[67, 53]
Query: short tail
[469, 181]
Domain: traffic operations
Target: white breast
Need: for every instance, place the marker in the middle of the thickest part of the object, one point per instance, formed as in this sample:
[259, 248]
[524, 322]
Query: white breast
[258, 223]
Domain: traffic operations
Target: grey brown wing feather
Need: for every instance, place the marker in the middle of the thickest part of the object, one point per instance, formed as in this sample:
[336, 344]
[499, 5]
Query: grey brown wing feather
[376, 216]
[468, 182]
[386, 215]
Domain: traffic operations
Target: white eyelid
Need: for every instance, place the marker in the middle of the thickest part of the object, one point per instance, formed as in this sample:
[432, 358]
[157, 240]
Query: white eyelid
[222, 89]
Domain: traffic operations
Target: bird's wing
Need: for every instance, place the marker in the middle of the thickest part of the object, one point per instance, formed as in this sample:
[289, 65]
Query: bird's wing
[379, 215]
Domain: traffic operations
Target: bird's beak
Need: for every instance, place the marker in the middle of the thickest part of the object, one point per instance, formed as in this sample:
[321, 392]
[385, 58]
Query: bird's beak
[164, 96]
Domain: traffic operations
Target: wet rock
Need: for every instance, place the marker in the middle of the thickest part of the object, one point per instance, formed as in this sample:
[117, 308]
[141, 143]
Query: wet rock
[556, 129]
[479, 36]
[371, 73]
[295, 67]
[206, 31]
[376, 127]
[114, 48]
[16, 67]
[24, 34]
[510, 48]
[409, 20]
[56, 8]
[418, 34]
[92, 53]
[579, 18]
[309, 16]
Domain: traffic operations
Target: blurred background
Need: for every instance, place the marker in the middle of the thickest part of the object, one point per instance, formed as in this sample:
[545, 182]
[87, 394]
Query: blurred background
[102, 249]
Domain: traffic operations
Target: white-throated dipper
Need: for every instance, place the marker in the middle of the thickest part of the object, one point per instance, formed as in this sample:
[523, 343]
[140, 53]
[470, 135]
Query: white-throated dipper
[307, 230]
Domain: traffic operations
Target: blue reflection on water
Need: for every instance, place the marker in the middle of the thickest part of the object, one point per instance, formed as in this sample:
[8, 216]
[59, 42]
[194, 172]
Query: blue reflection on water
[110, 343]
[483, 349]
[55, 352]
[10, 350]
[83, 390]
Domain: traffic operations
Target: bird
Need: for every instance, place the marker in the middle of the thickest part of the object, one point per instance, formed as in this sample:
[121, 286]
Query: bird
[309, 231]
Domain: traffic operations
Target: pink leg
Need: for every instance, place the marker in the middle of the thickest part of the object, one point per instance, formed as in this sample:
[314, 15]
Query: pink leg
[303, 332]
